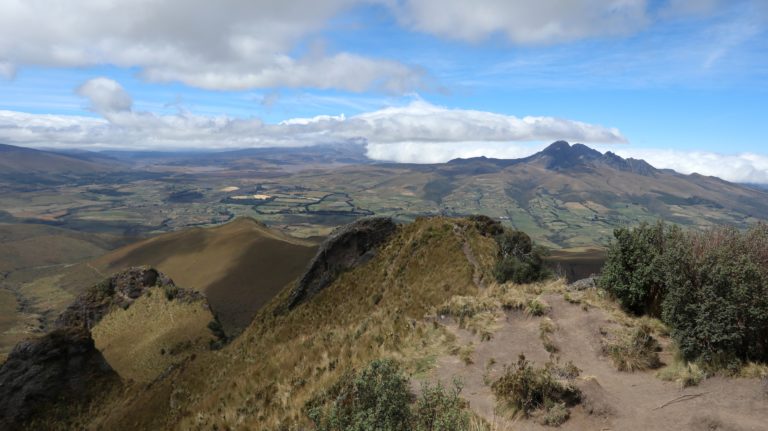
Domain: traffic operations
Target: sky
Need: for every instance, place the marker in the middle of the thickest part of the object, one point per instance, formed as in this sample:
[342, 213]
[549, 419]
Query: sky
[680, 83]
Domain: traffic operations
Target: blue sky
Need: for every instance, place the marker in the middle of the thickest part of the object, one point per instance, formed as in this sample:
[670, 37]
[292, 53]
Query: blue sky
[663, 79]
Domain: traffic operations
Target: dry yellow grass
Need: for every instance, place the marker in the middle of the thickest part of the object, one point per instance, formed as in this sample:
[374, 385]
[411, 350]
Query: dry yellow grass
[239, 266]
[153, 333]
[46, 294]
[264, 378]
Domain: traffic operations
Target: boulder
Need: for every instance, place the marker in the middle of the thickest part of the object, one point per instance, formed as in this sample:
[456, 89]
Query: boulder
[583, 284]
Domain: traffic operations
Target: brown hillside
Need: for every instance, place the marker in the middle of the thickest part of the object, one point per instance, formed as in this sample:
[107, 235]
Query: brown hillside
[27, 161]
[239, 266]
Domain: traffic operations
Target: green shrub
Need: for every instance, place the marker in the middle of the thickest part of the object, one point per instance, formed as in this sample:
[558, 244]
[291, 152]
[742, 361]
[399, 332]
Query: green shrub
[525, 389]
[440, 409]
[717, 300]
[520, 261]
[378, 399]
[710, 288]
[633, 268]
[218, 331]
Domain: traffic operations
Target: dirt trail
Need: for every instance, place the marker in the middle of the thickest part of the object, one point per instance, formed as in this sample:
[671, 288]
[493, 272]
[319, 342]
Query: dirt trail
[618, 400]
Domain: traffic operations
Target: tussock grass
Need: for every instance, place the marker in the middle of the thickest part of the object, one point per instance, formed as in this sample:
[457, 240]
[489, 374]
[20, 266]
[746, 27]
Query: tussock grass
[546, 328]
[536, 307]
[684, 373]
[633, 350]
[476, 314]
[754, 370]
[543, 392]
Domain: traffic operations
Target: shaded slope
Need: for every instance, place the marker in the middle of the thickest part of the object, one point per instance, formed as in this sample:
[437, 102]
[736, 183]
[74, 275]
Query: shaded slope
[239, 266]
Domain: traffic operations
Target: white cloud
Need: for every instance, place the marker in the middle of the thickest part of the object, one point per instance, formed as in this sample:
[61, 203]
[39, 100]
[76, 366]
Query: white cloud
[431, 152]
[523, 21]
[237, 44]
[105, 95]
[7, 70]
[120, 126]
[740, 168]
[416, 133]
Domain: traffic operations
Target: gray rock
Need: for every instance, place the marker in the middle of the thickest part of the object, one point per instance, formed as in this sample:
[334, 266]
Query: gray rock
[346, 247]
[119, 290]
[583, 284]
[62, 366]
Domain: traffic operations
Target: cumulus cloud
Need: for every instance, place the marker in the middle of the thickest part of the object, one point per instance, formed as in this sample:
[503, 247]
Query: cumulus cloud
[740, 168]
[120, 126]
[236, 45]
[523, 21]
[243, 44]
[431, 152]
[105, 95]
[416, 133]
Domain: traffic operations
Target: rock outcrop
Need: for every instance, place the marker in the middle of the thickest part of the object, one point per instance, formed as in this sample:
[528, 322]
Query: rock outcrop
[583, 284]
[119, 290]
[346, 247]
[63, 365]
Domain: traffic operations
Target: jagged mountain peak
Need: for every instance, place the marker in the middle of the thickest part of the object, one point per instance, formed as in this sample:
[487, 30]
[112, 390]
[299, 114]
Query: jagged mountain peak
[561, 156]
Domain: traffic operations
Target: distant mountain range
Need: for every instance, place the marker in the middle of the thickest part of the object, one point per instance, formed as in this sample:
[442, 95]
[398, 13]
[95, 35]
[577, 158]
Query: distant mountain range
[16, 161]
[565, 195]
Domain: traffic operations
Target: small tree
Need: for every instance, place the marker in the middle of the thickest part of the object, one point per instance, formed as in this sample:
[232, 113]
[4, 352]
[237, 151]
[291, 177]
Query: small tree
[520, 260]
[633, 268]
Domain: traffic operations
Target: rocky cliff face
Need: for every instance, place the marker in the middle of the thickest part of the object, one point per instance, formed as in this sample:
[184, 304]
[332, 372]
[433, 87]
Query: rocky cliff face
[62, 365]
[346, 247]
[119, 290]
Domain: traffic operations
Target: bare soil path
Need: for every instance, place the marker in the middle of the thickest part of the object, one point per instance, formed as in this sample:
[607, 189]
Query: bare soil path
[613, 400]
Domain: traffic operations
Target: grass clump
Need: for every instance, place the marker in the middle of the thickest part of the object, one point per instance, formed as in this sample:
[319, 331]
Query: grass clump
[546, 329]
[465, 308]
[556, 415]
[635, 351]
[464, 353]
[526, 390]
[536, 307]
[685, 373]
